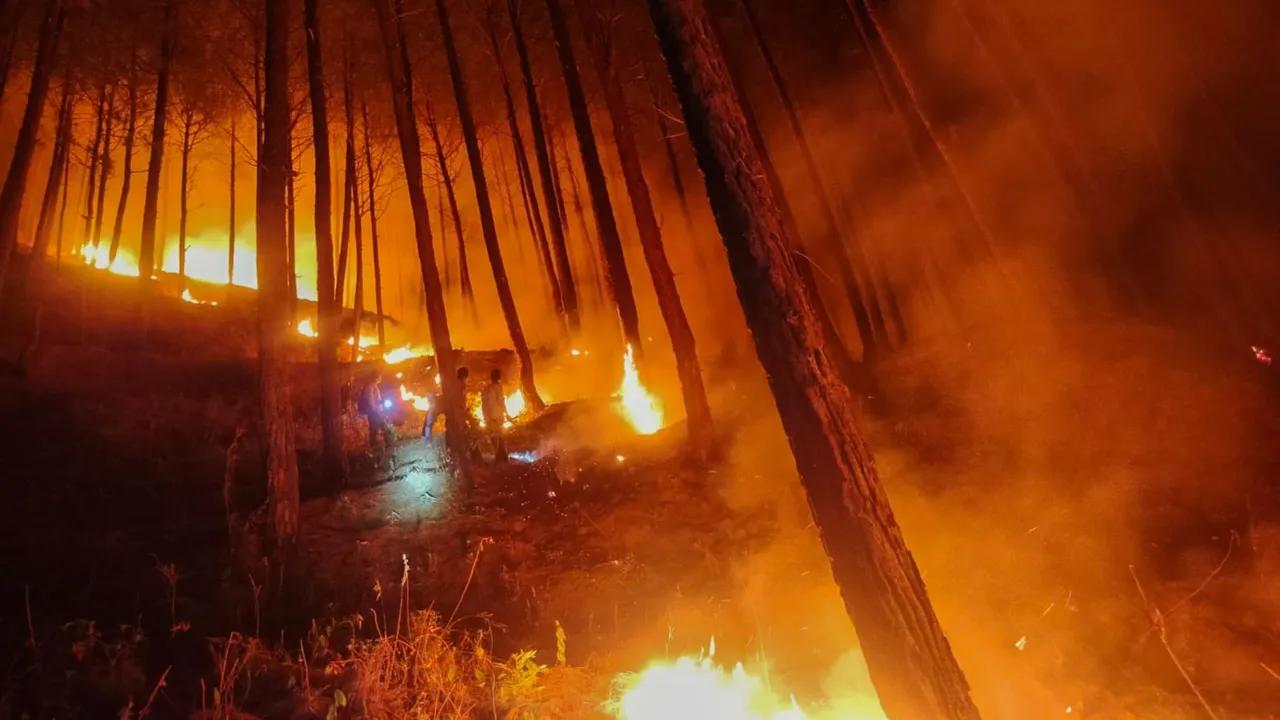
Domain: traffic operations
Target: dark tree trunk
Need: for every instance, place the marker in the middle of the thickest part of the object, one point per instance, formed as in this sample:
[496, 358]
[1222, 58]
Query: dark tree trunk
[66, 187]
[618, 282]
[56, 180]
[275, 328]
[505, 298]
[556, 220]
[701, 433]
[444, 234]
[348, 190]
[598, 272]
[231, 229]
[334, 464]
[543, 250]
[151, 203]
[130, 130]
[15, 184]
[291, 235]
[100, 121]
[398, 73]
[373, 226]
[104, 169]
[446, 176]
[357, 302]
[857, 277]
[677, 184]
[909, 659]
[188, 141]
[835, 345]
[11, 13]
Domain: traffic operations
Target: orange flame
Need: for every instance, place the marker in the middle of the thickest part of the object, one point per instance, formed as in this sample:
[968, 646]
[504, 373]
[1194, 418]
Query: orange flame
[639, 407]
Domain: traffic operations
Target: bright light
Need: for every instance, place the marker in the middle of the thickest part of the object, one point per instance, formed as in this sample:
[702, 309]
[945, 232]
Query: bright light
[186, 295]
[400, 354]
[387, 403]
[306, 327]
[421, 403]
[640, 408]
[515, 404]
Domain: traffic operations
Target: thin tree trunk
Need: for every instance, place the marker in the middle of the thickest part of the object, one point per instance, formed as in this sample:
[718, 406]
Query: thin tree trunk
[400, 77]
[184, 180]
[446, 176]
[909, 659]
[66, 187]
[131, 129]
[93, 169]
[348, 190]
[104, 170]
[677, 183]
[542, 249]
[327, 311]
[697, 409]
[857, 278]
[598, 272]
[147, 250]
[15, 184]
[444, 234]
[373, 226]
[291, 235]
[556, 221]
[275, 327]
[57, 168]
[10, 13]
[231, 229]
[618, 282]
[357, 302]
[504, 187]
[505, 298]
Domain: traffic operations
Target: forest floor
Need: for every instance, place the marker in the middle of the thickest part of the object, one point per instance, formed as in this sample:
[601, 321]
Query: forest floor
[606, 551]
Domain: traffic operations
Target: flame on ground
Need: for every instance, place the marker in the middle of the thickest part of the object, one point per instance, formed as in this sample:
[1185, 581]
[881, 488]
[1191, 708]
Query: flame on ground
[640, 408]
[186, 295]
[307, 328]
[403, 353]
[421, 403]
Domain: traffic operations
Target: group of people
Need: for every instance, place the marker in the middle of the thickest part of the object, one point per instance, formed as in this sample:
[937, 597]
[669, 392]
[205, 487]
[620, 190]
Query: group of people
[493, 408]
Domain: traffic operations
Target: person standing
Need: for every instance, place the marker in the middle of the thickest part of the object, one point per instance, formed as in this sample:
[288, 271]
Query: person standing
[493, 405]
[371, 406]
[436, 403]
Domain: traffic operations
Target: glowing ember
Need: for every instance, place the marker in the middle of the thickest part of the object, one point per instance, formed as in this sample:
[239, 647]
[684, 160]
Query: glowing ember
[400, 354]
[186, 295]
[1263, 356]
[639, 407]
[690, 689]
[579, 353]
[306, 327]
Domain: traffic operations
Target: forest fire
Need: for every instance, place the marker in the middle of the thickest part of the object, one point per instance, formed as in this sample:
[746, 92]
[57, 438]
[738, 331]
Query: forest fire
[696, 688]
[403, 353]
[638, 406]
[187, 297]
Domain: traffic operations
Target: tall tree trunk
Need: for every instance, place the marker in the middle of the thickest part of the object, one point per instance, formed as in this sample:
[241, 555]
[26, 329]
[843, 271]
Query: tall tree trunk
[11, 13]
[697, 409]
[104, 169]
[373, 226]
[291, 234]
[275, 329]
[357, 302]
[100, 121]
[56, 179]
[66, 186]
[857, 277]
[677, 184]
[15, 184]
[490, 232]
[130, 131]
[556, 221]
[184, 182]
[348, 189]
[835, 345]
[446, 176]
[444, 234]
[151, 204]
[231, 229]
[400, 77]
[618, 282]
[598, 272]
[327, 311]
[542, 249]
[909, 659]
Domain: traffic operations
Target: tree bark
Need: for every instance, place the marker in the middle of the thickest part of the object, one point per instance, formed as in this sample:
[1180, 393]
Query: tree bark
[104, 170]
[542, 248]
[556, 220]
[101, 118]
[151, 203]
[15, 184]
[66, 187]
[697, 409]
[464, 269]
[348, 189]
[188, 141]
[231, 229]
[131, 129]
[909, 659]
[490, 232]
[57, 169]
[597, 269]
[677, 183]
[373, 226]
[399, 75]
[444, 233]
[618, 282]
[11, 13]
[857, 277]
[275, 328]
[334, 463]
[357, 302]
[291, 232]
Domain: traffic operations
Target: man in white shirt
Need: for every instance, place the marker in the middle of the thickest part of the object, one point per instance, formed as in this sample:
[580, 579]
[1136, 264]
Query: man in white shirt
[493, 405]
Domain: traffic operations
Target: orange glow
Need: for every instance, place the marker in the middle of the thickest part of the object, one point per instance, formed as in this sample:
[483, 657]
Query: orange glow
[640, 408]
[186, 295]
[403, 353]
[306, 327]
[420, 403]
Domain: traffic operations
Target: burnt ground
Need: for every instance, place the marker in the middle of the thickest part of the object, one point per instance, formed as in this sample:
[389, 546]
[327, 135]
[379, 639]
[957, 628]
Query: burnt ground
[121, 440]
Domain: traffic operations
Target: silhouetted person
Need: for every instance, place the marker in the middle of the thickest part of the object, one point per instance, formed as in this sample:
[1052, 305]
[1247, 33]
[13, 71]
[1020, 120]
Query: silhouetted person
[436, 402]
[493, 405]
[371, 406]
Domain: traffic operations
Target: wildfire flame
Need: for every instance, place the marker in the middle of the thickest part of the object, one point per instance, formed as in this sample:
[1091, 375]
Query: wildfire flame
[420, 403]
[640, 408]
[403, 353]
[307, 328]
[186, 295]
